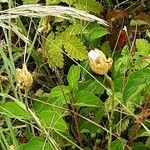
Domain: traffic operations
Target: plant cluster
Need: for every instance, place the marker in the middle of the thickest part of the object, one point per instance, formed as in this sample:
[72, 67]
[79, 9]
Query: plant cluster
[62, 84]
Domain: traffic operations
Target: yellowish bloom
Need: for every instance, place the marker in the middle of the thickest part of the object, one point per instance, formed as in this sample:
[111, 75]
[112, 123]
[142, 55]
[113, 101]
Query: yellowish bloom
[24, 77]
[98, 62]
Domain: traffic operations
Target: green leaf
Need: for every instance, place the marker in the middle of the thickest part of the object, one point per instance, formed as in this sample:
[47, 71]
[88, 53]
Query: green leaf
[95, 114]
[97, 32]
[30, 1]
[75, 48]
[53, 120]
[55, 54]
[52, 2]
[85, 98]
[148, 33]
[73, 29]
[36, 143]
[122, 64]
[135, 84]
[53, 50]
[136, 92]
[89, 6]
[139, 62]
[139, 146]
[143, 46]
[117, 145]
[118, 84]
[69, 2]
[59, 95]
[73, 76]
[13, 110]
[72, 44]
[105, 48]
[59, 91]
[91, 86]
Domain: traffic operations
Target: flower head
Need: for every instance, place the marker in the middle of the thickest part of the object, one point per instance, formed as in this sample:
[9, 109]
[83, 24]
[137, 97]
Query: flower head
[98, 62]
[24, 77]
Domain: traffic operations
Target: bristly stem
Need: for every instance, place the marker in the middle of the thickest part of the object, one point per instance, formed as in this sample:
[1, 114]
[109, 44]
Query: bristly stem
[112, 111]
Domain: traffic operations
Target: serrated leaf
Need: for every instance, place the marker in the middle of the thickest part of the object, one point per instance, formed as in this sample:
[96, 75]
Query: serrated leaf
[73, 29]
[135, 81]
[97, 32]
[75, 48]
[85, 98]
[73, 76]
[55, 55]
[53, 120]
[14, 111]
[143, 46]
[89, 6]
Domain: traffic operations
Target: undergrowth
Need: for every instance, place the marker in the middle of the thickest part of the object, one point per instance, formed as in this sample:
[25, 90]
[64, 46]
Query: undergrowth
[51, 96]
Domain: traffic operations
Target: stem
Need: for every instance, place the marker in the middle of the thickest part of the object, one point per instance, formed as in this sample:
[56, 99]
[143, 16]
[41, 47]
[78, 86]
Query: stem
[9, 40]
[4, 143]
[112, 111]
[75, 116]
[15, 142]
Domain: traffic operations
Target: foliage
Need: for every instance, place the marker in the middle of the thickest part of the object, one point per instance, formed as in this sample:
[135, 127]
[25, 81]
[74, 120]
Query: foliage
[72, 45]
[67, 106]
[87, 5]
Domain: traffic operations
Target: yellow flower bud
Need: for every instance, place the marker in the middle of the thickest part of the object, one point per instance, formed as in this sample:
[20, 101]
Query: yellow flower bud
[24, 77]
[98, 62]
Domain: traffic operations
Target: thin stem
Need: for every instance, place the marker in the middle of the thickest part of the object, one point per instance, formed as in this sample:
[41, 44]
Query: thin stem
[112, 111]
[15, 143]
[25, 51]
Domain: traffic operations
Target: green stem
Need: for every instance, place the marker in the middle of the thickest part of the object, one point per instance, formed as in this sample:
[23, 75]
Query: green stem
[30, 128]
[112, 111]
[4, 142]
[15, 142]
[9, 40]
